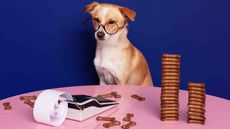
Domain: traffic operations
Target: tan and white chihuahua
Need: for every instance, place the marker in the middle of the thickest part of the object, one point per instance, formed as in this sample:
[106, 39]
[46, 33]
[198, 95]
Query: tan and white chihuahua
[117, 61]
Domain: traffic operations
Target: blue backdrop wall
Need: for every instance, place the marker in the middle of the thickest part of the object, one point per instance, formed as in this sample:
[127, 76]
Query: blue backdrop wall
[43, 43]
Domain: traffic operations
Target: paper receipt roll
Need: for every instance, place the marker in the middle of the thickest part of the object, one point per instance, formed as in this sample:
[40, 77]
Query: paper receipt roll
[51, 108]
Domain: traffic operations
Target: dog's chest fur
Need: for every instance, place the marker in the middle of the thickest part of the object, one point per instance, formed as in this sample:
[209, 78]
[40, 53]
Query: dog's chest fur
[108, 62]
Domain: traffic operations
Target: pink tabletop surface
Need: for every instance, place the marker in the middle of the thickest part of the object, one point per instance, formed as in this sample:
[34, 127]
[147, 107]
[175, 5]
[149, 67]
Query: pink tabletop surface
[147, 113]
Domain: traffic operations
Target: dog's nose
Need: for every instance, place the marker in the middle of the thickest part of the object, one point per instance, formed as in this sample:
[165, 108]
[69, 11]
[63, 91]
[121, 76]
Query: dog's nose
[100, 35]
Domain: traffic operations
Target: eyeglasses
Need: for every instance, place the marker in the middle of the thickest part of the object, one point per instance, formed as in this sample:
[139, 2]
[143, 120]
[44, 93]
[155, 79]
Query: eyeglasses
[110, 27]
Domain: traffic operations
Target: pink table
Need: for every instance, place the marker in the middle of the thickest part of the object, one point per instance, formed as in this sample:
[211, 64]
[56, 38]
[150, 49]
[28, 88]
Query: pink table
[147, 113]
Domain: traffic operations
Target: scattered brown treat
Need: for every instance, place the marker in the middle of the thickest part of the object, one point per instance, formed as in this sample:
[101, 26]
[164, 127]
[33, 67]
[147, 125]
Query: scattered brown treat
[100, 118]
[110, 95]
[138, 97]
[130, 124]
[128, 117]
[196, 103]
[115, 94]
[170, 82]
[29, 102]
[7, 106]
[111, 124]
[34, 97]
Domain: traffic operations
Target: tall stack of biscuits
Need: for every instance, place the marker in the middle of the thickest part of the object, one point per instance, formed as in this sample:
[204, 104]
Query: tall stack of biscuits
[196, 103]
[170, 82]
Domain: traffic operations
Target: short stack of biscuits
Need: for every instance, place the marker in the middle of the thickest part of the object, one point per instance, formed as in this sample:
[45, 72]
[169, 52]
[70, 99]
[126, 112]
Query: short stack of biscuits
[170, 82]
[196, 103]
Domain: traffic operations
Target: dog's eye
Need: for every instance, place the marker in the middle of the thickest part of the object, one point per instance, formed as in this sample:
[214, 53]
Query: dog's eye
[111, 22]
[96, 19]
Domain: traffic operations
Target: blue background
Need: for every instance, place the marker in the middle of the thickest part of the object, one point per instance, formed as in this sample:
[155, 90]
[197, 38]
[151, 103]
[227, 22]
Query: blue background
[43, 43]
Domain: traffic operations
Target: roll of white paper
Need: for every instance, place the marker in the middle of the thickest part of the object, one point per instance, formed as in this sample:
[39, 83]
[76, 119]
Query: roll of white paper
[51, 108]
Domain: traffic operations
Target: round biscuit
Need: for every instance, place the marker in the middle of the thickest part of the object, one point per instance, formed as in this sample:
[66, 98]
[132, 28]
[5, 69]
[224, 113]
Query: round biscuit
[170, 71]
[172, 55]
[202, 108]
[170, 81]
[170, 67]
[197, 100]
[196, 110]
[170, 87]
[169, 118]
[169, 98]
[196, 113]
[170, 78]
[170, 84]
[169, 95]
[196, 89]
[169, 108]
[170, 91]
[197, 96]
[170, 63]
[196, 84]
[196, 103]
[169, 103]
[196, 121]
[196, 92]
[196, 117]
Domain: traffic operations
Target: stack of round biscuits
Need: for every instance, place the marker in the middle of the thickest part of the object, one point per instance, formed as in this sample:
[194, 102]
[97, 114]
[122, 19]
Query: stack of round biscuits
[170, 82]
[196, 103]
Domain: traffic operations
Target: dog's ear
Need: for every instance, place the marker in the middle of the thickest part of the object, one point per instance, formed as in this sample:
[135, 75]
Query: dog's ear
[128, 13]
[90, 7]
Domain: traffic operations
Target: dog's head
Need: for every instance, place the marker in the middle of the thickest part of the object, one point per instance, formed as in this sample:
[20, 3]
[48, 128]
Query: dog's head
[108, 19]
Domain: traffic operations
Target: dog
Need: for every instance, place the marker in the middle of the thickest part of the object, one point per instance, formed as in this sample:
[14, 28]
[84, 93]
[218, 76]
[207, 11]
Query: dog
[117, 61]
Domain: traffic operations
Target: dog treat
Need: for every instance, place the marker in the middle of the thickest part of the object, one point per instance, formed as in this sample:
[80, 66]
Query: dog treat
[196, 103]
[7, 106]
[110, 95]
[29, 102]
[28, 97]
[170, 82]
[115, 94]
[128, 117]
[111, 124]
[130, 124]
[138, 97]
[100, 118]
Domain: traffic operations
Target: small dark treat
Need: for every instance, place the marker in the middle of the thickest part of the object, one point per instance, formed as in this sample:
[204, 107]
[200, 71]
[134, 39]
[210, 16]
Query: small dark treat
[128, 117]
[130, 124]
[115, 94]
[109, 95]
[6, 104]
[100, 118]
[29, 102]
[7, 108]
[138, 97]
[33, 97]
[111, 124]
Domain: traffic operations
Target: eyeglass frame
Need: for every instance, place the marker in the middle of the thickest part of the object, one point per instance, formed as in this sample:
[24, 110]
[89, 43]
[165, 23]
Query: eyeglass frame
[118, 28]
